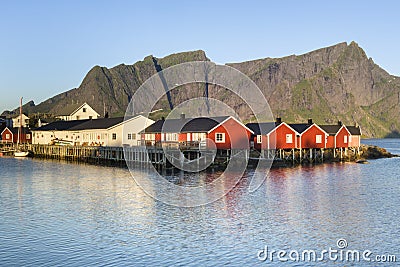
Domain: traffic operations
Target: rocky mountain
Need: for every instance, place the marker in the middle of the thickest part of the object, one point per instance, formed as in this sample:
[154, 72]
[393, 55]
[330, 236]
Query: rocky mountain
[330, 84]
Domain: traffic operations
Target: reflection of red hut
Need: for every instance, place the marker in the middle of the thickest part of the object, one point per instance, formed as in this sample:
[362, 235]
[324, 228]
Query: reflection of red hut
[338, 136]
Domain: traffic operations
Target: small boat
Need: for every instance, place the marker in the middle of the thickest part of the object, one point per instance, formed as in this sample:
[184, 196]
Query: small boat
[362, 161]
[21, 153]
[61, 142]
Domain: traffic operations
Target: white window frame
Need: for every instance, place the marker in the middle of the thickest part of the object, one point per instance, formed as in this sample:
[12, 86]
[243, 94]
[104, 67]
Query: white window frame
[289, 138]
[318, 139]
[7, 136]
[28, 136]
[171, 137]
[345, 139]
[133, 136]
[114, 136]
[219, 137]
[349, 138]
[259, 139]
[129, 136]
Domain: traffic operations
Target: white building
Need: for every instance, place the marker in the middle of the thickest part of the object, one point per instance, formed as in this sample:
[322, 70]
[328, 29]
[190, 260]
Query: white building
[101, 132]
[78, 112]
[16, 121]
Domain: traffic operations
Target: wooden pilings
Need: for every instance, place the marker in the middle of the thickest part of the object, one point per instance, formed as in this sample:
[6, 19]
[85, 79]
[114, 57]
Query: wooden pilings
[311, 155]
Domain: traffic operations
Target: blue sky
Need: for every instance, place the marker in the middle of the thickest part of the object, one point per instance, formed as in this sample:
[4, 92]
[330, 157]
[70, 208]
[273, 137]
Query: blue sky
[47, 47]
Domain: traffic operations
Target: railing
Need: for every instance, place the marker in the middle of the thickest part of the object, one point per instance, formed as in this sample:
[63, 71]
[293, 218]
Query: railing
[175, 144]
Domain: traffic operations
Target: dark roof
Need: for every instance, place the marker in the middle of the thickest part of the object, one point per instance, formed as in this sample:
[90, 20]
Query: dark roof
[202, 124]
[354, 130]
[262, 127]
[299, 127]
[331, 129]
[14, 130]
[67, 110]
[60, 125]
[103, 123]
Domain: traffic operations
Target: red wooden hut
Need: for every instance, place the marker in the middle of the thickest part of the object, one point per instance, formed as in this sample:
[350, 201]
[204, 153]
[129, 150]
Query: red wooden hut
[338, 135]
[278, 135]
[225, 132]
[355, 136]
[310, 135]
[10, 135]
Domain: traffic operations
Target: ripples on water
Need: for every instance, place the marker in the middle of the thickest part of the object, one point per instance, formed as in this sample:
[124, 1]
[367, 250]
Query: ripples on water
[61, 214]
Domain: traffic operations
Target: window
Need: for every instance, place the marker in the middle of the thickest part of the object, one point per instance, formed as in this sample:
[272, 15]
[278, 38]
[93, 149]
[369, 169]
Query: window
[134, 136]
[171, 137]
[90, 117]
[114, 136]
[77, 117]
[198, 136]
[28, 136]
[84, 110]
[345, 139]
[349, 138]
[129, 136]
[7, 136]
[188, 137]
[289, 138]
[150, 137]
[318, 139]
[259, 139]
[220, 137]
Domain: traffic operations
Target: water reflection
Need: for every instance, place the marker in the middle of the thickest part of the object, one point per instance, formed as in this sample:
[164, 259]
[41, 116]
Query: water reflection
[56, 213]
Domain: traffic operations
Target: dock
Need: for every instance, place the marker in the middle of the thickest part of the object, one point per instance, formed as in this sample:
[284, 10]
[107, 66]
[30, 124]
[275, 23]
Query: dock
[178, 157]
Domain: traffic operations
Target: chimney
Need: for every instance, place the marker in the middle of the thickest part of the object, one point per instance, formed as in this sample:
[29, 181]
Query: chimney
[182, 116]
[340, 123]
[310, 121]
[278, 120]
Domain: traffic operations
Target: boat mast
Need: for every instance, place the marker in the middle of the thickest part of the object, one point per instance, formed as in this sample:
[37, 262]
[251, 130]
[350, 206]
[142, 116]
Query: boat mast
[20, 121]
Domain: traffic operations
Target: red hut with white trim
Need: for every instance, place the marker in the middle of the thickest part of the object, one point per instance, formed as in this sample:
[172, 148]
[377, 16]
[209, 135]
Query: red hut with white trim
[311, 135]
[225, 132]
[338, 137]
[10, 135]
[355, 136]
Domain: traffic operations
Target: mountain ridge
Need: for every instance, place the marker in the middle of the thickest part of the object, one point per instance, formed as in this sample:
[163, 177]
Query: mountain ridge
[337, 82]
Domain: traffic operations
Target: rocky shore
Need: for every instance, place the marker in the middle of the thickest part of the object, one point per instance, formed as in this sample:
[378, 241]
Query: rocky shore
[375, 152]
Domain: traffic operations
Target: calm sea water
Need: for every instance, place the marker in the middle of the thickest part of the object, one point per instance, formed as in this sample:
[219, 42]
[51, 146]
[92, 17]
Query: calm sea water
[60, 214]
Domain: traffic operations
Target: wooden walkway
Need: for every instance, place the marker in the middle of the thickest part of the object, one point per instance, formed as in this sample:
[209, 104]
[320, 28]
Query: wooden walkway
[176, 157]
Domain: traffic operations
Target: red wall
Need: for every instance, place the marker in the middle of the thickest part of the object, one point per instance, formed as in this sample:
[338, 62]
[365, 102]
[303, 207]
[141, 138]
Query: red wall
[277, 138]
[3, 136]
[14, 137]
[308, 138]
[330, 141]
[355, 140]
[236, 136]
[340, 138]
